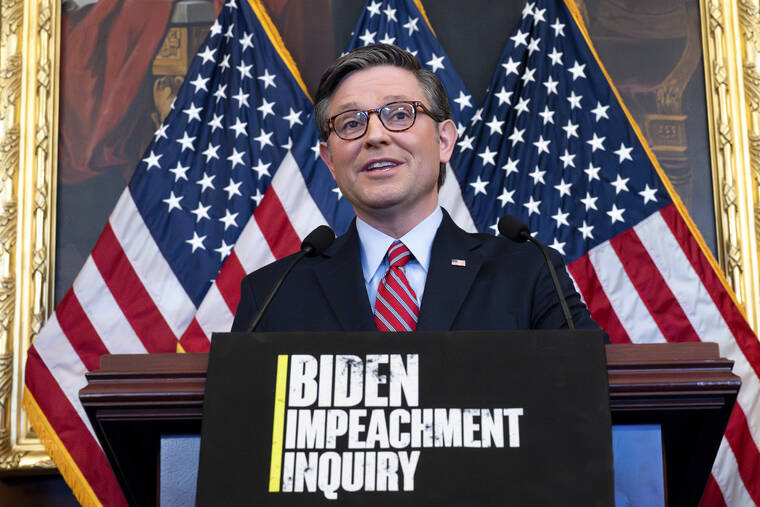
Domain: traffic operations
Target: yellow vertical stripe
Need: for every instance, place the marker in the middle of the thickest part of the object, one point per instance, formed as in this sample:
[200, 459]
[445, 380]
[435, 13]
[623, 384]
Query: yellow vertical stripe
[279, 424]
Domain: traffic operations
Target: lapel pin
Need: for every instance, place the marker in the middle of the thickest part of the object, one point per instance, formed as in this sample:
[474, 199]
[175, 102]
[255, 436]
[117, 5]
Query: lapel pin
[458, 262]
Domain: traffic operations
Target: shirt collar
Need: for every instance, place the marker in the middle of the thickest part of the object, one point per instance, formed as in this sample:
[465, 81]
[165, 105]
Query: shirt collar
[375, 244]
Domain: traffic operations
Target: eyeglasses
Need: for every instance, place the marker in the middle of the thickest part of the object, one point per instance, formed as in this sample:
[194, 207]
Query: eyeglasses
[396, 117]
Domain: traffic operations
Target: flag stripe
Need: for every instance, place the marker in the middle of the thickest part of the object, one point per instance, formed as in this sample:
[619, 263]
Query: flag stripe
[252, 250]
[588, 284]
[296, 201]
[83, 337]
[275, 226]
[228, 286]
[745, 450]
[712, 496]
[194, 339]
[652, 288]
[725, 471]
[130, 294]
[450, 198]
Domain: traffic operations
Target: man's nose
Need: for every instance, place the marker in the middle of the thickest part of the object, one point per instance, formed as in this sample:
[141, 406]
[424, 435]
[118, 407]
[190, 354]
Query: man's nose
[376, 131]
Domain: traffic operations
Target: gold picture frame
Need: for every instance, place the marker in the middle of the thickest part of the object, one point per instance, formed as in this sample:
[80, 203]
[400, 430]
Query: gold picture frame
[29, 86]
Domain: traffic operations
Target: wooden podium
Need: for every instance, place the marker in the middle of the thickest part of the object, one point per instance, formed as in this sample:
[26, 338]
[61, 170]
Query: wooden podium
[687, 388]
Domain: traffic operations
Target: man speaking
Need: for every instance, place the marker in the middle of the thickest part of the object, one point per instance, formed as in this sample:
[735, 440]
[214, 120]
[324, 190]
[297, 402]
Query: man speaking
[403, 264]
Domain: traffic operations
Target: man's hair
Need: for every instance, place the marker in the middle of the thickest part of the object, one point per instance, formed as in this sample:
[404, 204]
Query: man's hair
[372, 56]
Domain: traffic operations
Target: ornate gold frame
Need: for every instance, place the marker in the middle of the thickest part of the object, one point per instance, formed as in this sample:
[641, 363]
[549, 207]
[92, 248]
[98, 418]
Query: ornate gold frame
[29, 80]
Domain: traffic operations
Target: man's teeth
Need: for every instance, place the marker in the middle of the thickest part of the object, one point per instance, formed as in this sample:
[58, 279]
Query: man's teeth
[380, 165]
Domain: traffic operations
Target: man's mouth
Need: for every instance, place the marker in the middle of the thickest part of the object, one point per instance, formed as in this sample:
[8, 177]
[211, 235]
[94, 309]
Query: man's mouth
[380, 165]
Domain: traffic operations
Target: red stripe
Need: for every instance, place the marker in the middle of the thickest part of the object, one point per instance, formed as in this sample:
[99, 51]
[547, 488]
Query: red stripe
[228, 281]
[712, 497]
[739, 327]
[275, 225]
[599, 305]
[745, 451]
[72, 432]
[194, 339]
[77, 327]
[653, 290]
[130, 294]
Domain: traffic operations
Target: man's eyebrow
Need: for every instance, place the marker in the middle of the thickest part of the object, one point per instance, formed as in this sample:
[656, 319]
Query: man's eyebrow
[349, 106]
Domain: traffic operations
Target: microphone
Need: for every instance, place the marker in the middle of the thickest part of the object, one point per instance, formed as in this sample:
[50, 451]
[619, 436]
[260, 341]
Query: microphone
[313, 245]
[516, 230]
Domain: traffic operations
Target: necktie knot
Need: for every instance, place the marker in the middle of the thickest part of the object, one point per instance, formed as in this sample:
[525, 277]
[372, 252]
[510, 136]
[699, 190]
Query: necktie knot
[398, 254]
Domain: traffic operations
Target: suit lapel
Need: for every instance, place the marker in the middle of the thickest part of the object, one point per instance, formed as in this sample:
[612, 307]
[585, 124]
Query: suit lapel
[447, 285]
[342, 282]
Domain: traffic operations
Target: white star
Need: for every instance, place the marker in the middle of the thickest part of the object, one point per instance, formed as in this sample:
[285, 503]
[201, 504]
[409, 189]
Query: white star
[556, 57]
[161, 132]
[506, 196]
[266, 108]
[616, 215]
[542, 144]
[522, 106]
[374, 8]
[479, 186]
[488, 156]
[533, 46]
[287, 146]
[558, 246]
[264, 139]
[592, 172]
[477, 116]
[206, 182]
[245, 70]
[246, 41]
[571, 129]
[200, 212]
[221, 93]
[196, 242]
[575, 100]
[229, 219]
[412, 51]
[180, 172]
[516, 136]
[597, 143]
[216, 28]
[242, 98]
[315, 149]
[411, 25]
[600, 111]
[216, 122]
[268, 79]
[388, 39]
[532, 206]
[559, 28]
[567, 159]
[463, 100]
[233, 189]
[504, 96]
[152, 160]
[586, 231]
[225, 62]
[466, 143]
[258, 196]
[537, 175]
[624, 153]
[620, 184]
[564, 188]
[527, 76]
[495, 228]
[538, 15]
[224, 250]
[229, 35]
[460, 129]
[520, 38]
[261, 169]
[192, 112]
[390, 13]
[236, 158]
[231, 4]
[577, 70]
[368, 37]
[551, 86]
[511, 67]
[338, 192]
[547, 115]
[510, 166]
[561, 218]
[293, 118]
[173, 202]
[528, 9]
[239, 127]
[648, 194]
[589, 202]
[186, 142]
[210, 152]
[495, 125]
[199, 83]
[435, 63]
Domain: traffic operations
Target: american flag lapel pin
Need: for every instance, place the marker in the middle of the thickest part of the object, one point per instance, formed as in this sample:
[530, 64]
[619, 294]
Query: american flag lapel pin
[458, 262]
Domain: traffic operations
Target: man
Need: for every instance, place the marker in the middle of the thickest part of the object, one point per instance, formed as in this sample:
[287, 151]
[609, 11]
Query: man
[403, 264]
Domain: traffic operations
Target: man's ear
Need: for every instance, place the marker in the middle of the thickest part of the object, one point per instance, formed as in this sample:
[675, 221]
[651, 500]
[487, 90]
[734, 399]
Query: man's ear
[447, 136]
[324, 153]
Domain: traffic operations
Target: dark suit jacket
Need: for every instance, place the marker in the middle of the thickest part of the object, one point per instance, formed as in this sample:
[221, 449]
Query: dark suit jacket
[504, 285]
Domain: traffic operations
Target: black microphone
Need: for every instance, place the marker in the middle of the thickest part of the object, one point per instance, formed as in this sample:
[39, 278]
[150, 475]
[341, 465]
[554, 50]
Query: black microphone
[516, 230]
[314, 244]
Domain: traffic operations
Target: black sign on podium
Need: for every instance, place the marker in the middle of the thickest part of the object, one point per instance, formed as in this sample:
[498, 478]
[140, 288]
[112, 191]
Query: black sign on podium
[424, 418]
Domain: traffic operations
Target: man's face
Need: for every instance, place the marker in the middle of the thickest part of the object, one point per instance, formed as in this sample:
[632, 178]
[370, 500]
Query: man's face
[387, 175]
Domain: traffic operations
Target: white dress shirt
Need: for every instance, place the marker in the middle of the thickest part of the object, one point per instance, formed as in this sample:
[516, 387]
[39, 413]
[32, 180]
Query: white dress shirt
[374, 247]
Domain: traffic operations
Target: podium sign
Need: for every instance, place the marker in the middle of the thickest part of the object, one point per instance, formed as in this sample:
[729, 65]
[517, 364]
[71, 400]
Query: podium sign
[427, 418]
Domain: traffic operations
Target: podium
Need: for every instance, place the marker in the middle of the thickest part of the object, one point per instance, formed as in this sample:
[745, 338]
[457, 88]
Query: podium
[686, 388]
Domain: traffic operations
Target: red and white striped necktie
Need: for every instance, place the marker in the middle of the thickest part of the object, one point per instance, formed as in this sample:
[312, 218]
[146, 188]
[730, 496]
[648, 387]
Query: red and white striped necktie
[396, 303]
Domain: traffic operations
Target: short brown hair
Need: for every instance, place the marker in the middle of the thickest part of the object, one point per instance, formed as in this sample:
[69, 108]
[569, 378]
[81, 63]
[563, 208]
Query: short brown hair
[372, 56]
